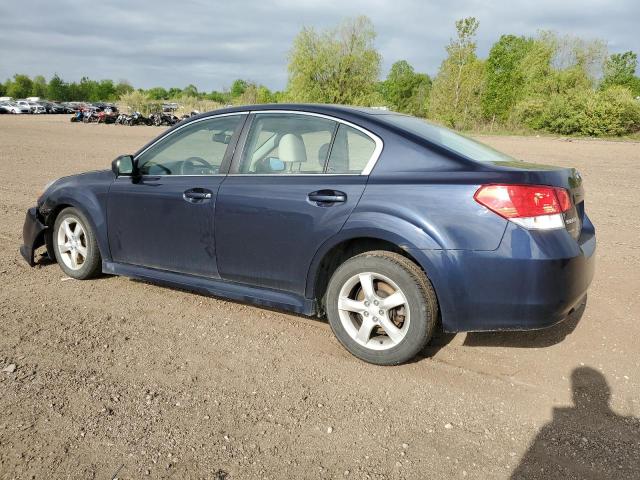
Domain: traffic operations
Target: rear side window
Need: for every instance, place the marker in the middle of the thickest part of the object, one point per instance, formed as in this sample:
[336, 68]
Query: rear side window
[449, 139]
[351, 151]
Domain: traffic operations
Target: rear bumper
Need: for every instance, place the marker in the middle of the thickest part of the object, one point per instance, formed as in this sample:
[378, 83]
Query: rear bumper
[532, 281]
[32, 235]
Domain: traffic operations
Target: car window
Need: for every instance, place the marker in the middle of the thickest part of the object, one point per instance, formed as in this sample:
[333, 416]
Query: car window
[351, 151]
[196, 149]
[287, 143]
[453, 141]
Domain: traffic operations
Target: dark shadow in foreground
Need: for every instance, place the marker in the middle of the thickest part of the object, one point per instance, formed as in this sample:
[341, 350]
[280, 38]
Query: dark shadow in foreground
[586, 441]
[528, 339]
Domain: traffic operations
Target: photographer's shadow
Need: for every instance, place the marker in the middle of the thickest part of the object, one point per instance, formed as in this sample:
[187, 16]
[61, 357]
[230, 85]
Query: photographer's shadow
[528, 339]
[587, 440]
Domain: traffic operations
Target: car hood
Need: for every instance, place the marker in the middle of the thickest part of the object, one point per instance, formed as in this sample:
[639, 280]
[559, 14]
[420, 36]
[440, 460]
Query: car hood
[80, 180]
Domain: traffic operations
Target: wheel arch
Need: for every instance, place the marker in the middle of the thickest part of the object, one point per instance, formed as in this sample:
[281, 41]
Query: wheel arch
[353, 242]
[90, 209]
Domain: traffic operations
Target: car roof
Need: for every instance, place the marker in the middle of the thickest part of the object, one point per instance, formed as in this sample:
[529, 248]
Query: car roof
[328, 109]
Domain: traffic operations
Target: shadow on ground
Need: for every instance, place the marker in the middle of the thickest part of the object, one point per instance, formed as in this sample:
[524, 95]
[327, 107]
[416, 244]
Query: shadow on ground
[587, 440]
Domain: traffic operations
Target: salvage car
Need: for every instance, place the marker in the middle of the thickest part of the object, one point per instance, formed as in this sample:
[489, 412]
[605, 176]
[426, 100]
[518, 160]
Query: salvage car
[385, 223]
[13, 107]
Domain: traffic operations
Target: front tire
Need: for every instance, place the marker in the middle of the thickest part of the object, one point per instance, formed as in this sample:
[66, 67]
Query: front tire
[75, 245]
[381, 307]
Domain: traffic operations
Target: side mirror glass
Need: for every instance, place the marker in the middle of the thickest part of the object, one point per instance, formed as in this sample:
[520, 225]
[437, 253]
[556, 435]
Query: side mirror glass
[276, 165]
[123, 166]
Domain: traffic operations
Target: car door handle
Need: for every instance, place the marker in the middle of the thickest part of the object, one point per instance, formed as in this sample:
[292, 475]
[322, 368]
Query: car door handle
[327, 197]
[197, 195]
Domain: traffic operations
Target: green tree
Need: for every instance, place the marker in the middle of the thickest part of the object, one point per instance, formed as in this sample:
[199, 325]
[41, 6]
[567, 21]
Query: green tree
[335, 66]
[85, 90]
[220, 97]
[190, 91]
[405, 90]
[620, 69]
[39, 87]
[105, 90]
[122, 88]
[264, 95]
[175, 92]
[57, 89]
[254, 94]
[3, 89]
[504, 76]
[238, 87]
[20, 87]
[457, 89]
[157, 93]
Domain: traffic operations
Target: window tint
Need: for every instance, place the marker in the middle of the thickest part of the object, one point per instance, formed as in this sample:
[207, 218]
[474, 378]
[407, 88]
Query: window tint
[287, 143]
[351, 151]
[197, 149]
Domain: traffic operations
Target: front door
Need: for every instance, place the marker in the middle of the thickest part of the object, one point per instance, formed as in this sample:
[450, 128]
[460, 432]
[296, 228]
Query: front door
[165, 219]
[293, 186]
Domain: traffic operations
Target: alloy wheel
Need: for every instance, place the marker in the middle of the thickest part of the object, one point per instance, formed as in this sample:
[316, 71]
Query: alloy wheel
[374, 311]
[72, 243]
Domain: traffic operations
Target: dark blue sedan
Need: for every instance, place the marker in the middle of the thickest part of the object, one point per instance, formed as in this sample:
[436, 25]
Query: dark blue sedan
[385, 223]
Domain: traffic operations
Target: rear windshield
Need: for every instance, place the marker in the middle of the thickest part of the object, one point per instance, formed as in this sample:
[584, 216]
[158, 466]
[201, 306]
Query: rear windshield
[449, 139]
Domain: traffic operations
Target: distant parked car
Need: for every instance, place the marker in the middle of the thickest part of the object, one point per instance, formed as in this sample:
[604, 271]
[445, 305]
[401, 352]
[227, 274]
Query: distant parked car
[385, 222]
[52, 107]
[4, 108]
[24, 104]
[13, 107]
[37, 108]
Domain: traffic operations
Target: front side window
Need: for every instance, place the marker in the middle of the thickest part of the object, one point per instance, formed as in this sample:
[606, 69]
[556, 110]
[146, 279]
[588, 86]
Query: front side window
[196, 149]
[287, 143]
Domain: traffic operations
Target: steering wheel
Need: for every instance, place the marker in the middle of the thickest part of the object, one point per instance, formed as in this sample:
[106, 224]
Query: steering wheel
[187, 165]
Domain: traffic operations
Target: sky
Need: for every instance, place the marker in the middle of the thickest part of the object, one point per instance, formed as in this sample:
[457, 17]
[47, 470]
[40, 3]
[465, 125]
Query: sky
[211, 43]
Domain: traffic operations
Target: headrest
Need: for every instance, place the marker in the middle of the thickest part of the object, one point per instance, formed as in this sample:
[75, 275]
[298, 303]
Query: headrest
[291, 149]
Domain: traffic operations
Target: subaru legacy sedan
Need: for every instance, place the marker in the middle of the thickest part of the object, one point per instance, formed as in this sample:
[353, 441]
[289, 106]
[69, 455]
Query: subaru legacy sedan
[388, 225]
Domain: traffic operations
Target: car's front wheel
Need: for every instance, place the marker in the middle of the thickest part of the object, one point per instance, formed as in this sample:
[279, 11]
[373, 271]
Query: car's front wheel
[381, 307]
[75, 245]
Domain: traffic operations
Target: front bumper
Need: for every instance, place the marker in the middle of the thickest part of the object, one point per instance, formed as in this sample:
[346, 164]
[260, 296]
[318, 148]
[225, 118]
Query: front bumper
[33, 233]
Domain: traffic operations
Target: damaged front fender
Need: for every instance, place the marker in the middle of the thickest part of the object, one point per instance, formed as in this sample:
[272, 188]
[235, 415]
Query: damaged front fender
[33, 233]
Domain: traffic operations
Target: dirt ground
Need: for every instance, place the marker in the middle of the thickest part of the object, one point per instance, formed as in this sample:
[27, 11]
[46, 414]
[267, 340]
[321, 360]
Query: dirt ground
[118, 378]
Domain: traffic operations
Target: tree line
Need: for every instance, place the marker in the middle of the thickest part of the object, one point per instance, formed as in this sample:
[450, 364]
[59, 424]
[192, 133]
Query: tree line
[546, 82]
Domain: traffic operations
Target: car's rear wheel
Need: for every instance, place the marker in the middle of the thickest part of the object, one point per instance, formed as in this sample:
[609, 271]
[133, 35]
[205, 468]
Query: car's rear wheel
[75, 245]
[381, 307]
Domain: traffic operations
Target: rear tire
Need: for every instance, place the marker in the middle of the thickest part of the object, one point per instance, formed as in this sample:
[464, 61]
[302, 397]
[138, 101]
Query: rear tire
[75, 245]
[381, 307]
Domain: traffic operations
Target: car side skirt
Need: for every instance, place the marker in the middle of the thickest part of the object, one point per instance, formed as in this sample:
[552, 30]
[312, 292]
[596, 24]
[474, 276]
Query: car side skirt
[215, 287]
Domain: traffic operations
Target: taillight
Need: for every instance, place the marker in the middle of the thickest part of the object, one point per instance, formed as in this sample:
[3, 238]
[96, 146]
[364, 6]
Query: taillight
[531, 206]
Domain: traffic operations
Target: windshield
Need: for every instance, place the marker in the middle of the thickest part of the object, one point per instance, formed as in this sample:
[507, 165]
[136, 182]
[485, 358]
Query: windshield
[449, 139]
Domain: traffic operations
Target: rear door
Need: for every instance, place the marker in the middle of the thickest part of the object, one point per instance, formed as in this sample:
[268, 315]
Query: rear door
[292, 186]
[165, 219]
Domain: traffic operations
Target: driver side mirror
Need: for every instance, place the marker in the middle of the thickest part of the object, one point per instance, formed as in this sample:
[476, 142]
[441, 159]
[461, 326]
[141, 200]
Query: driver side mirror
[123, 166]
